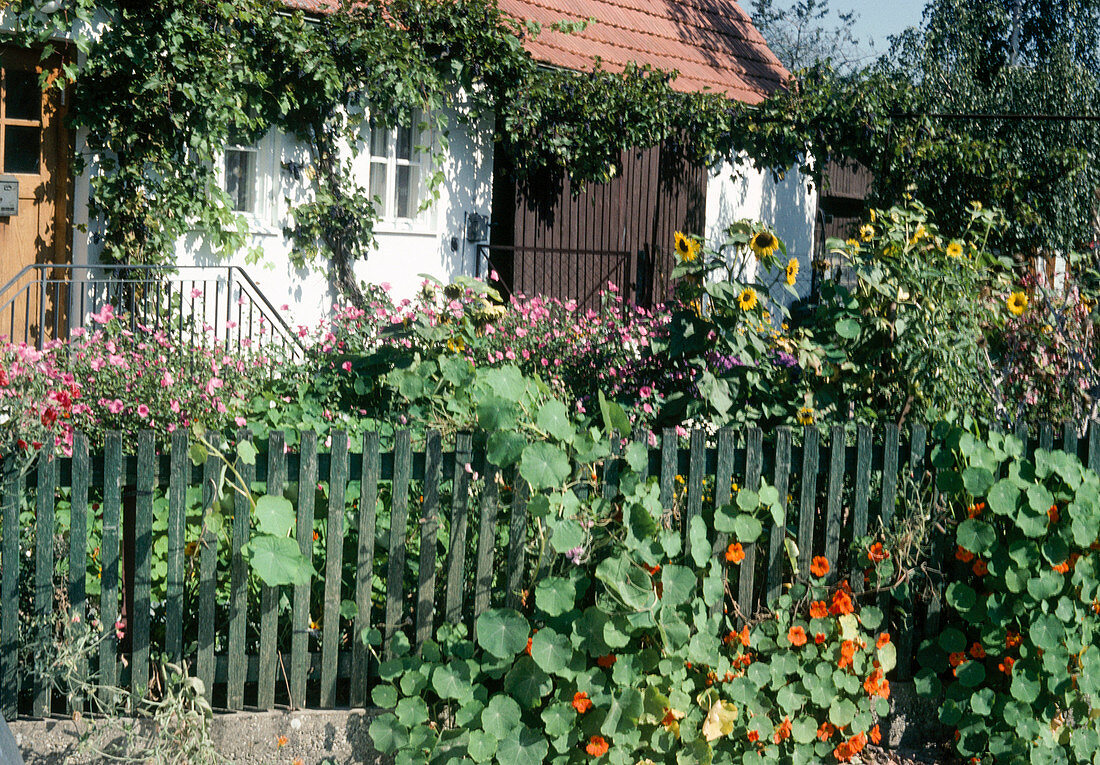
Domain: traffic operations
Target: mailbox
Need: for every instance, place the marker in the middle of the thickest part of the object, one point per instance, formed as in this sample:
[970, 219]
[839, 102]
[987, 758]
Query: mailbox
[9, 196]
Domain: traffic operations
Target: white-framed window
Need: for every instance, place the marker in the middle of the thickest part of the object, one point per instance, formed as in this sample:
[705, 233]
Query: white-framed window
[250, 179]
[399, 159]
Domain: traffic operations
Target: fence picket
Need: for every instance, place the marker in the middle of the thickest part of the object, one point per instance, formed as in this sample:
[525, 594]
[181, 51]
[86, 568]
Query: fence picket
[723, 493]
[517, 541]
[399, 517]
[44, 529]
[300, 609]
[460, 501]
[696, 465]
[670, 447]
[238, 583]
[78, 525]
[861, 498]
[108, 586]
[178, 478]
[269, 596]
[837, 450]
[1069, 438]
[486, 540]
[143, 559]
[334, 563]
[429, 535]
[208, 575]
[1046, 436]
[811, 441]
[9, 594]
[890, 444]
[1094, 446]
[364, 573]
[917, 442]
[779, 530]
[754, 466]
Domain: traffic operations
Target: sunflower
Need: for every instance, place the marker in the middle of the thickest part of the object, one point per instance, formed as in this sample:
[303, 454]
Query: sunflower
[686, 248]
[806, 416]
[853, 244]
[792, 271]
[764, 243]
[954, 249]
[747, 299]
[866, 232]
[919, 234]
[1017, 302]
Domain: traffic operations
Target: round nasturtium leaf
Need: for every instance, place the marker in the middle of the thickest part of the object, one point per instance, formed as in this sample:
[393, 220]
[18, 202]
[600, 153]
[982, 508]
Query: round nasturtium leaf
[388, 734]
[555, 595]
[482, 746]
[523, 747]
[503, 632]
[501, 716]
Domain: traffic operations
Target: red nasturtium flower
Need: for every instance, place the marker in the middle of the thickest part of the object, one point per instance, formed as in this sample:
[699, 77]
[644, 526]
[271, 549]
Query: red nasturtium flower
[883, 639]
[980, 568]
[735, 553]
[653, 569]
[842, 604]
[581, 702]
[607, 661]
[819, 566]
[1012, 639]
[597, 746]
[1006, 665]
[876, 554]
[527, 650]
[963, 554]
[975, 510]
[819, 609]
[797, 636]
[977, 651]
[1052, 513]
[753, 735]
[956, 658]
[819, 638]
[783, 732]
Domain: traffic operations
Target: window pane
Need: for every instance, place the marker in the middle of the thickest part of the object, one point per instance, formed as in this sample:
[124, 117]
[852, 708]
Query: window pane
[240, 179]
[21, 148]
[22, 96]
[408, 188]
[379, 141]
[378, 184]
[404, 143]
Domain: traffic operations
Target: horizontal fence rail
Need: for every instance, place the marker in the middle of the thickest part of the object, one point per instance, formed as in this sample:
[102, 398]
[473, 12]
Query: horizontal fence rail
[403, 537]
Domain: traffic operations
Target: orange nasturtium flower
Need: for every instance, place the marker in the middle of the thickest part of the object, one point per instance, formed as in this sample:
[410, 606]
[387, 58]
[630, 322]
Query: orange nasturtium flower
[1012, 639]
[753, 735]
[883, 639]
[876, 554]
[1062, 567]
[597, 746]
[826, 731]
[819, 638]
[842, 604]
[1053, 514]
[744, 636]
[875, 735]
[819, 609]
[280, 742]
[581, 702]
[783, 732]
[847, 651]
[797, 636]
[956, 658]
[963, 554]
[735, 553]
[819, 566]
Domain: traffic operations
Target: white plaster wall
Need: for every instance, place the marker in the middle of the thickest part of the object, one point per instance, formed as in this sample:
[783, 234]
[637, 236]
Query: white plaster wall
[742, 191]
[403, 251]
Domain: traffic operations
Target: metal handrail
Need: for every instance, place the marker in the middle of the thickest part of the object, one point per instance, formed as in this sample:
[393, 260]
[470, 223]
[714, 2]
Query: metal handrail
[113, 278]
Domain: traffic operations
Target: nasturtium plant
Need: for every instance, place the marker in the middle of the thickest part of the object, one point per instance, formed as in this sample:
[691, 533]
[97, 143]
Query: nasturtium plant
[626, 653]
[1017, 668]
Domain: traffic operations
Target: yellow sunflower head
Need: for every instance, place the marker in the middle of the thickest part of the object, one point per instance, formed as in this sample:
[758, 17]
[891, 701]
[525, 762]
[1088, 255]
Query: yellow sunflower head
[873, 215]
[853, 245]
[866, 232]
[764, 243]
[954, 249]
[792, 271]
[919, 234]
[1017, 303]
[687, 249]
[806, 416]
[747, 299]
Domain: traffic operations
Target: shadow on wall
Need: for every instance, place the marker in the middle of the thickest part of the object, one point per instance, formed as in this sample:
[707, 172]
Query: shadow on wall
[467, 188]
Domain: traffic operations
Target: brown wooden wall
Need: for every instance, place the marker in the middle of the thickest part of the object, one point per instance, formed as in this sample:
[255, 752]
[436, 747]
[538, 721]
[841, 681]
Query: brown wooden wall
[548, 240]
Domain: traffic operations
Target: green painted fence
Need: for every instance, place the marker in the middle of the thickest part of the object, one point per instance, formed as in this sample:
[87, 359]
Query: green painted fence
[403, 538]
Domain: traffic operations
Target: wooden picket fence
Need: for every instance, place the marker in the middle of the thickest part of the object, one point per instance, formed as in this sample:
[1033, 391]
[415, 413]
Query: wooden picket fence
[470, 523]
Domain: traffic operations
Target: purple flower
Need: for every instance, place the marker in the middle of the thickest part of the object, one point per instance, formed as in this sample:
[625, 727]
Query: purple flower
[783, 359]
[575, 555]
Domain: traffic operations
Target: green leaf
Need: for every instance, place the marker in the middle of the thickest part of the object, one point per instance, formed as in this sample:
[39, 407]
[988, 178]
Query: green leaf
[976, 536]
[747, 528]
[678, 584]
[505, 447]
[544, 466]
[1002, 498]
[1047, 632]
[551, 650]
[501, 716]
[502, 632]
[566, 534]
[977, 480]
[278, 560]
[614, 416]
[555, 595]
[482, 746]
[553, 418]
[384, 696]
[526, 683]
[847, 328]
[452, 680]
[388, 734]
[274, 515]
[523, 746]
[246, 453]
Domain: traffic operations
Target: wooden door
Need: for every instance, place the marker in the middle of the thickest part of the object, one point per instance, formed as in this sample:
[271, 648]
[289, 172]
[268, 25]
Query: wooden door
[34, 152]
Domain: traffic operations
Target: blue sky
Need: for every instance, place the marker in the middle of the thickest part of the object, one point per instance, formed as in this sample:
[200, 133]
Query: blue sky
[878, 19]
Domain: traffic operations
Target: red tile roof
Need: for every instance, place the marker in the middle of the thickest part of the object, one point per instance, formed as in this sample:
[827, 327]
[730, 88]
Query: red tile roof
[711, 43]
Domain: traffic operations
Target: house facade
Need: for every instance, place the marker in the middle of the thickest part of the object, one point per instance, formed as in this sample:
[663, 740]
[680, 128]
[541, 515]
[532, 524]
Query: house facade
[551, 240]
